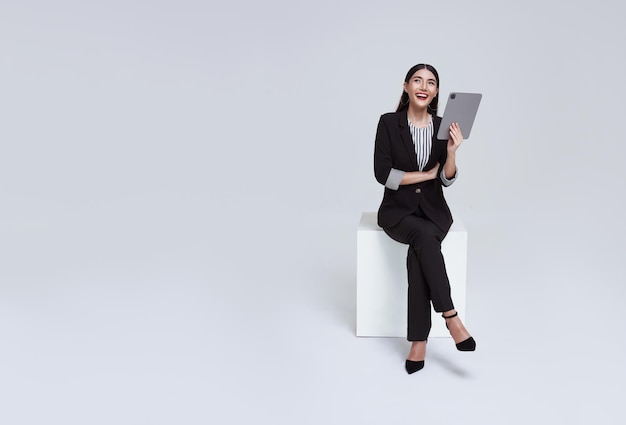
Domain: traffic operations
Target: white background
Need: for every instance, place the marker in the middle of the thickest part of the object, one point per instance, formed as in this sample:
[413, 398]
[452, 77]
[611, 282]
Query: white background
[182, 182]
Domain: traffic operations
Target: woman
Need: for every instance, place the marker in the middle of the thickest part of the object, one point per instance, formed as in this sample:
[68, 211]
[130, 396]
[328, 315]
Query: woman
[413, 165]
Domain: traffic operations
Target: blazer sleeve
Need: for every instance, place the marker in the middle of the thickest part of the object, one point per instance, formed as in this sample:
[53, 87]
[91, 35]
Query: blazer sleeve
[448, 181]
[383, 158]
[441, 174]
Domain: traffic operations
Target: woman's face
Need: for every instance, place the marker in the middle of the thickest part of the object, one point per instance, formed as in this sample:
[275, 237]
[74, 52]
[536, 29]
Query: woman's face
[421, 88]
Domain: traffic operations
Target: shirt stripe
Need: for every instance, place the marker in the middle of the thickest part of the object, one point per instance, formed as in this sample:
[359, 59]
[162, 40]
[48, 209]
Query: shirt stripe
[423, 142]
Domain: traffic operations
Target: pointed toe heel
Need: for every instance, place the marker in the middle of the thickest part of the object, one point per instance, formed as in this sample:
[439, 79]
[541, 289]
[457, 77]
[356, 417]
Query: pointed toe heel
[412, 367]
[466, 345]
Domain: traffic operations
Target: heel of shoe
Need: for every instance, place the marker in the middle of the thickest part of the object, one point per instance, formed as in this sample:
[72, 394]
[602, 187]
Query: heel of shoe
[412, 367]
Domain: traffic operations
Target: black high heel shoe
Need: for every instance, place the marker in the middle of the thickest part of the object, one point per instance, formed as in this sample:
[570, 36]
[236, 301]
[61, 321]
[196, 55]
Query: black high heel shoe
[412, 367]
[466, 345]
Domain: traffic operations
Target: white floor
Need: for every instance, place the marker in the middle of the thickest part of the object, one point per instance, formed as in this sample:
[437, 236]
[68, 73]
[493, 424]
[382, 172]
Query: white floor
[134, 322]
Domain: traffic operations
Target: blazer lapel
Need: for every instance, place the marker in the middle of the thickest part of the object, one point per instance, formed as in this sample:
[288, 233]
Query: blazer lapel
[407, 140]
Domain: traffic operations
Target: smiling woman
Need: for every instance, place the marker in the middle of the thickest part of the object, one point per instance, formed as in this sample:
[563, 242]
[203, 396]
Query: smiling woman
[414, 166]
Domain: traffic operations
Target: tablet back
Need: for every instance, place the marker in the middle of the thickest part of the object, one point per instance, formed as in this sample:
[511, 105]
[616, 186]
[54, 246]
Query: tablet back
[461, 108]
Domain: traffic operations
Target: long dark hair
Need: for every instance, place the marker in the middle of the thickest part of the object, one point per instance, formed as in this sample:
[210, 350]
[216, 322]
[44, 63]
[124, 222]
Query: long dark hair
[404, 99]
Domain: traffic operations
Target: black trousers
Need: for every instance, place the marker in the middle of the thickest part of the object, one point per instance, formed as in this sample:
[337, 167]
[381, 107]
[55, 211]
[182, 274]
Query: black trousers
[426, 270]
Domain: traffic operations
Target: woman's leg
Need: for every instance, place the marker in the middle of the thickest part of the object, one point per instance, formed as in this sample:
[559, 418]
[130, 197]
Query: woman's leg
[418, 300]
[428, 281]
[427, 245]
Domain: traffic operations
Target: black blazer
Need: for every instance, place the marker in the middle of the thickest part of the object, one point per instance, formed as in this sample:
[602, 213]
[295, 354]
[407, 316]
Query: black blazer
[394, 148]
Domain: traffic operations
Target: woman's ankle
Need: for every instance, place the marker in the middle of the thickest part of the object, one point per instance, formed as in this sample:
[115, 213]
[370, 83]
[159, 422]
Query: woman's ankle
[418, 351]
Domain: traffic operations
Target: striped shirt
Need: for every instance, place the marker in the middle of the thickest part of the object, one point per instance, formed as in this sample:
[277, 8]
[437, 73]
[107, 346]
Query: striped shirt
[423, 141]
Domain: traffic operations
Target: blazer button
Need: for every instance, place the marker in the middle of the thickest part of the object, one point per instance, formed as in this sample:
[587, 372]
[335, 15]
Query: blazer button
[418, 190]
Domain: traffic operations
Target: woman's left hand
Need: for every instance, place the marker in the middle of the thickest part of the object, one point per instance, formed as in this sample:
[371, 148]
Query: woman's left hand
[456, 137]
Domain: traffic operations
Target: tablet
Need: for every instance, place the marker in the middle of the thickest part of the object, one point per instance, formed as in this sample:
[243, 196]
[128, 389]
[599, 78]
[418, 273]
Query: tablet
[461, 108]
